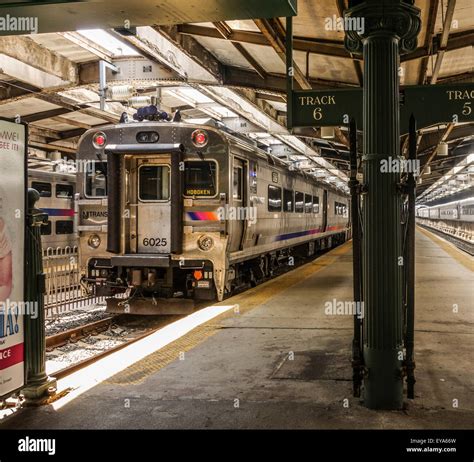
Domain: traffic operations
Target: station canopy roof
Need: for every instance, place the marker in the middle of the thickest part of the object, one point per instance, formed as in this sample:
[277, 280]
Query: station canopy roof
[232, 71]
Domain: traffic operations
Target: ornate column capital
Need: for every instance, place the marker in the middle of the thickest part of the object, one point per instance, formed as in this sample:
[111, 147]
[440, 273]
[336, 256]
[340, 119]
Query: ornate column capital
[393, 17]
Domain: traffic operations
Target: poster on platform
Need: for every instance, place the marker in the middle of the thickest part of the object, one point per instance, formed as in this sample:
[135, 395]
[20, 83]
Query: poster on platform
[12, 255]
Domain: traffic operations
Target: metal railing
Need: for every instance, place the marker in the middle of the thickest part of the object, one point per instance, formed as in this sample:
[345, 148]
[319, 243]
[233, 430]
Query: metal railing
[63, 289]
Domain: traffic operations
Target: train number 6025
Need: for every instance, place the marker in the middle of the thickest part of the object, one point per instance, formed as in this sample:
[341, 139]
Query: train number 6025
[155, 242]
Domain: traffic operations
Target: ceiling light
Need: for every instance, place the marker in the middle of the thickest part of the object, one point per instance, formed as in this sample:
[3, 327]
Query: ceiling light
[442, 149]
[327, 132]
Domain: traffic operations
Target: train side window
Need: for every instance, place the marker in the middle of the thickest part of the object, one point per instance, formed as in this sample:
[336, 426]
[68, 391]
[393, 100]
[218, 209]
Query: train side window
[340, 209]
[154, 183]
[274, 198]
[253, 177]
[64, 227]
[467, 209]
[64, 191]
[288, 201]
[308, 203]
[237, 183]
[46, 229]
[96, 179]
[315, 204]
[299, 202]
[200, 178]
[43, 188]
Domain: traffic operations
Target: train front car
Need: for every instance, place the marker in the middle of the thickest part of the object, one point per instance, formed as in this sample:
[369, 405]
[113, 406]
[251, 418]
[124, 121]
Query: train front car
[148, 222]
[171, 213]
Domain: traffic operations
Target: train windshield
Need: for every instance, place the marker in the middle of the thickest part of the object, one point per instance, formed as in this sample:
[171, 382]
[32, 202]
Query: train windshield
[200, 178]
[154, 183]
[96, 179]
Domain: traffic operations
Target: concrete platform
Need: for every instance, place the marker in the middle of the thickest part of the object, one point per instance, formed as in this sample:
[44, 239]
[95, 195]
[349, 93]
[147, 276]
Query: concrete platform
[281, 362]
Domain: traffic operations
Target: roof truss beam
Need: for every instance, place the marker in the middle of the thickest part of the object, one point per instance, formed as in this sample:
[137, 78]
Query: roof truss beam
[443, 43]
[320, 47]
[323, 47]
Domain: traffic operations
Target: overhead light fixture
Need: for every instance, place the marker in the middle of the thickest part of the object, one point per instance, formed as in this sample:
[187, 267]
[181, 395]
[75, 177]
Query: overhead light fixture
[327, 132]
[442, 149]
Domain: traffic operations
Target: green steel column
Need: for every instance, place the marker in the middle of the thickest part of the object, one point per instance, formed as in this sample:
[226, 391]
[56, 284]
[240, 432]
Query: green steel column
[38, 384]
[390, 26]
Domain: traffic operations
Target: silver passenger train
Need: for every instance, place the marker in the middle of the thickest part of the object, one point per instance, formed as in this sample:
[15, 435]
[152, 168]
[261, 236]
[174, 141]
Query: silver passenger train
[56, 199]
[454, 218]
[173, 212]
[462, 210]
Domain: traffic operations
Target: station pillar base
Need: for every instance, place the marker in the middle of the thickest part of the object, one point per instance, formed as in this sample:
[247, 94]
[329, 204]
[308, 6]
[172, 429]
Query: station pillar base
[34, 393]
[383, 383]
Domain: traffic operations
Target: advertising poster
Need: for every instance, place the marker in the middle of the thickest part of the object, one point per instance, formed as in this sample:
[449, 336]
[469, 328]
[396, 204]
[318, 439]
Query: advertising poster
[12, 248]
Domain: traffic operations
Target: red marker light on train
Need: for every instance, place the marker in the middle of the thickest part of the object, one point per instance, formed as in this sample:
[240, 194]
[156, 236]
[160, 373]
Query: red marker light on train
[197, 275]
[99, 139]
[199, 138]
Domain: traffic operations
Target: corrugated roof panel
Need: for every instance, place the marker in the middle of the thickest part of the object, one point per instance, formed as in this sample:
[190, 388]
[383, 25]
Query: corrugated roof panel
[327, 67]
[25, 107]
[224, 51]
[243, 25]
[266, 57]
[462, 17]
[411, 72]
[311, 18]
[63, 47]
[78, 116]
[52, 124]
[457, 62]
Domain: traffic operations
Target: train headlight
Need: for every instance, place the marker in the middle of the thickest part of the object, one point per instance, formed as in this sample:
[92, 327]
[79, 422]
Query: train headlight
[94, 241]
[205, 243]
[99, 139]
[199, 138]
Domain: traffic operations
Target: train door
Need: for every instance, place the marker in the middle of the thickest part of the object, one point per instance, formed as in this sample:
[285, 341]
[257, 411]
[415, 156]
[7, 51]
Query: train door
[153, 214]
[237, 215]
[325, 209]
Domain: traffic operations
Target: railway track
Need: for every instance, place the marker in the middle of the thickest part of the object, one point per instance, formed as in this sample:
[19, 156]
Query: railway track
[92, 341]
[459, 243]
[75, 334]
[61, 373]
